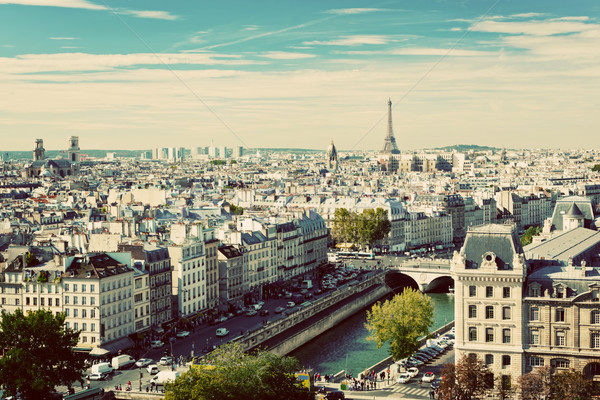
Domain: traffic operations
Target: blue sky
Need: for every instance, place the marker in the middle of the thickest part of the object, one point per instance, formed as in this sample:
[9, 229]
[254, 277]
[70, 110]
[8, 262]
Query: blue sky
[131, 74]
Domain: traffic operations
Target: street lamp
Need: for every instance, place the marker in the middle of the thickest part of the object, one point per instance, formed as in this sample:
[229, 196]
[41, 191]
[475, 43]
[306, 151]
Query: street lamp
[141, 373]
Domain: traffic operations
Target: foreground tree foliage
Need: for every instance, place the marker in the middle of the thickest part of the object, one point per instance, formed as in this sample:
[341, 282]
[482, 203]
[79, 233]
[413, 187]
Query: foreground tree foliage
[468, 379]
[38, 354]
[529, 233]
[234, 374]
[571, 385]
[364, 228]
[400, 321]
[535, 385]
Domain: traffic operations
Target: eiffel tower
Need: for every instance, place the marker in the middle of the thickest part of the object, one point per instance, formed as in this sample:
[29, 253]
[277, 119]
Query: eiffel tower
[389, 143]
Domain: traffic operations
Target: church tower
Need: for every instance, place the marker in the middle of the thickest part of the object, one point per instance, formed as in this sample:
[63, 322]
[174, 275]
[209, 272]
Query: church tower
[39, 153]
[389, 143]
[73, 153]
[332, 157]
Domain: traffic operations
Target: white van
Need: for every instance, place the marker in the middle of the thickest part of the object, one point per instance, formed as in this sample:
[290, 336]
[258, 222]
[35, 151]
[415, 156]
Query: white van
[102, 368]
[164, 376]
[122, 361]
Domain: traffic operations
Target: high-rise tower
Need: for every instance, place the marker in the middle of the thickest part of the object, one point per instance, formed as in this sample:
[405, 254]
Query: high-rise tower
[389, 143]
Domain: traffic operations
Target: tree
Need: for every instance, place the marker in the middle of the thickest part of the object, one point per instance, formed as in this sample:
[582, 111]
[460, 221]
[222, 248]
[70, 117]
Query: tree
[535, 385]
[38, 354]
[233, 374]
[529, 233]
[400, 321]
[364, 228]
[596, 168]
[468, 379]
[571, 385]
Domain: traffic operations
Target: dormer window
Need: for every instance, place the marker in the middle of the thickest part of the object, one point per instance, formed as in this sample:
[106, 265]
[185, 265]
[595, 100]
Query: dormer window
[534, 290]
[595, 296]
[560, 292]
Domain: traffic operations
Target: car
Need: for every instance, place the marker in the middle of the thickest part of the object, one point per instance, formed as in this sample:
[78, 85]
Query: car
[335, 395]
[421, 357]
[413, 372]
[152, 369]
[436, 384]
[222, 332]
[257, 306]
[264, 312]
[415, 362]
[288, 295]
[142, 362]
[166, 360]
[260, 303]
[318, 291]
[428, 377]
[403, 378]
[290, 304]
[304, 291]
[157, 344]
[96, 376]
[279, 310]
[221, 319]
[182, 334]
[251, 313]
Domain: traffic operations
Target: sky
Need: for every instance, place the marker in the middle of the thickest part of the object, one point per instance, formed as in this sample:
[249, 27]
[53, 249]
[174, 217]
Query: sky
[139, 74]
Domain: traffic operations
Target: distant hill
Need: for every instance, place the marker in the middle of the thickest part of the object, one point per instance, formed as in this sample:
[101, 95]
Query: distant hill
[467, 147]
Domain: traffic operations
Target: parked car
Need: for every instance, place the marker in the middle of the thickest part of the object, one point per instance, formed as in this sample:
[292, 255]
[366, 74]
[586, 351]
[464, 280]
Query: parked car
[221, 319]
[413, 372]
[428, 377]
[290, 304]
[157, 344]
[403, 378]
[152, 369]
[279, 310]
[222, 332]
[264, 312]
[142, 362]
[335, 395]
[182, 334]
[166, 360]
[251, 313]
[96, 376]
[288, 295]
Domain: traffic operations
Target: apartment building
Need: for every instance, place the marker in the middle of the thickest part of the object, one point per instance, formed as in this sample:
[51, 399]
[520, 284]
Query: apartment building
[188, 277]
[231, 278]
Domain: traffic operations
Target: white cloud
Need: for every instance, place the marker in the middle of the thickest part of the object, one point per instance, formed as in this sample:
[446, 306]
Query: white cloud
[354, 40]
[285, 55]
[63, 38]
[526, 15]
[84, 4]
[70, 47]
[539, 28]
[250, 27]
[348, 11]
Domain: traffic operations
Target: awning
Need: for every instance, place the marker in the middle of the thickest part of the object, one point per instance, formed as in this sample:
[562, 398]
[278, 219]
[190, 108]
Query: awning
[99, 351]
[120, 344]
[82, 349]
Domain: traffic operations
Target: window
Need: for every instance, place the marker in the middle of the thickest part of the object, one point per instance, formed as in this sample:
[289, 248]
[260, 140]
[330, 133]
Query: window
[560, 363]
[42, 301]
[489, 312]
[505, 335]
[560, 315]
[93, 327]
[66, 287]
[506, 312]
[560, 292]
[472, 311]
[74, 287]
[560, 338]
[595, 317]
[472, 334]
[83, 290]
[595, 340]
[75, 310]
[506, 292]
[92, 313]
[489, 335]
[535, 337]
[92, 288]
[489, 291]
[535, 361]
[84, 327]
[66, 299]
[505, 361]
[535, 314]
[74, 299]
[76, 326]
[57, 302]
[66, 312]
[472, 291]
[489, 359]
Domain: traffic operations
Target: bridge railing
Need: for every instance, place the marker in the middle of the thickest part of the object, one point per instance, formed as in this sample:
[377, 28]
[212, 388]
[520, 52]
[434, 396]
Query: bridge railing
[425, 265]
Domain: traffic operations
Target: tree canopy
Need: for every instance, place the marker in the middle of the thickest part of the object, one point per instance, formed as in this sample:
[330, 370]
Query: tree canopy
[364, 228]
[469, 378]
[234, 374]
[529, 233]
[571, 385]
[535, 385]
[38, 354]
[400, 321]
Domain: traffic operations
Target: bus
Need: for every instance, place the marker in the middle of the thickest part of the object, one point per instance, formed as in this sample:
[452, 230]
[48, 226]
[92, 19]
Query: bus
[366, 256]
[347, 254]
[305, 379]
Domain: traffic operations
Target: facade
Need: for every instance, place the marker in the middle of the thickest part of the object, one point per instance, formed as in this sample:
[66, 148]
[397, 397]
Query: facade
[231, 278]
[42, 167]
[211, 246]
[188, 278]
[141, 300]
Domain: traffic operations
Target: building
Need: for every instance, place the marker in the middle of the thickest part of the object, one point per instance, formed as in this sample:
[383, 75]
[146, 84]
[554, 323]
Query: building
[332, 158]
[231, 278]
[188, 278]
[48, 168]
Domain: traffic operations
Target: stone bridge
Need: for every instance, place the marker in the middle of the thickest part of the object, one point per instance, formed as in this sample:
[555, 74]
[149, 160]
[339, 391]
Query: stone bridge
[426, 275]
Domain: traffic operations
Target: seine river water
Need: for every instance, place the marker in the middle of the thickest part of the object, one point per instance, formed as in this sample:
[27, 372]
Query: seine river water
[346, 344]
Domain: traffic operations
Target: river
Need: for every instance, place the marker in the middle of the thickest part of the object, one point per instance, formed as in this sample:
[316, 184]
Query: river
[345, 346]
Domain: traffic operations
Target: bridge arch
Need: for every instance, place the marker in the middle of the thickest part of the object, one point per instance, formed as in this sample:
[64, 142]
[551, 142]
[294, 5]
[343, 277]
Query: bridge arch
[397, 281]
[441, 284]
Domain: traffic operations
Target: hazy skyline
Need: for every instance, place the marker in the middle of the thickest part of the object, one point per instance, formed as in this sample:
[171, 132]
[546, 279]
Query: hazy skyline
[141, 74]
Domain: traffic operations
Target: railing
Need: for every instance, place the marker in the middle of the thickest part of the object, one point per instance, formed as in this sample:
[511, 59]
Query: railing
[425, 265]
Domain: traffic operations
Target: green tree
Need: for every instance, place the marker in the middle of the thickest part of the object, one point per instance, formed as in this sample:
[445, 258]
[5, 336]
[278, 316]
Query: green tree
[596, 168]
[30, 259]
[529, 233]
[239, 375]
[400, 321]
[236, 210]
[364, 228]
[38, 354]
[467, 379]
[571, 385]
[535, 385]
